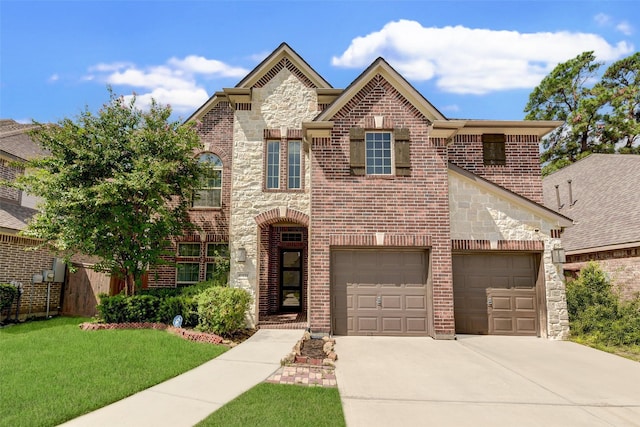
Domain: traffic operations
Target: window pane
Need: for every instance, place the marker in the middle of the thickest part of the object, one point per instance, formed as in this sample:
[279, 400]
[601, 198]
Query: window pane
[208, 275]
[273, 164]
[210, 193]
[378, 152]
[218, 250]
[188, 272]
[188, 249]
[294, 164]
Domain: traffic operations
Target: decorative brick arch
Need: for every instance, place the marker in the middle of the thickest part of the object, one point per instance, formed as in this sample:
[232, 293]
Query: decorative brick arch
[281, 214]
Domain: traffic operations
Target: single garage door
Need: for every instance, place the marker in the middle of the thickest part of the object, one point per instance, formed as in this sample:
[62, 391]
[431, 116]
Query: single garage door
[495, 294]
[379, 292]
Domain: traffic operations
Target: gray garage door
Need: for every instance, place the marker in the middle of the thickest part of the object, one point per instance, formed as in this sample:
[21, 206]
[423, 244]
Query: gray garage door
[495, 294]
[379, 292]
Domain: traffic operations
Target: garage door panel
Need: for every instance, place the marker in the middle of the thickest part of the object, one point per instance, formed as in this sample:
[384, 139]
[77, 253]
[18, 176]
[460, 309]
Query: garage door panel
[525, 303]
[417, 325]
[365, 302]
[392, 325]
[502, 303]
[415, 302]
[391, 302]
[387, 290]
[508, 281]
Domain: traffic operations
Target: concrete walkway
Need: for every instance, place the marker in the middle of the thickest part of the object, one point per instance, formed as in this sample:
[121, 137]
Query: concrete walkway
[188, 398]
[484, 381]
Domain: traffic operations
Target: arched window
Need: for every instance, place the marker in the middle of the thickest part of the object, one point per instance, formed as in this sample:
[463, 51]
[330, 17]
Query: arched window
[210, 192]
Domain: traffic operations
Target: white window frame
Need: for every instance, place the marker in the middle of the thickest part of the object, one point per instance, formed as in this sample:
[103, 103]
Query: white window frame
[216, 166]
[186, 282]
[185, 244]
[390, 159]
[272, 165]
[297, 177]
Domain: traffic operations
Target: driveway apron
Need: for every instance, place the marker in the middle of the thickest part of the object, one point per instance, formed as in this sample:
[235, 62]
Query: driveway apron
[484, 381]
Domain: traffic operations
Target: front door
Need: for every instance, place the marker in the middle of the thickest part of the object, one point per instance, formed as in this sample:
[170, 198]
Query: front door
[291, 280]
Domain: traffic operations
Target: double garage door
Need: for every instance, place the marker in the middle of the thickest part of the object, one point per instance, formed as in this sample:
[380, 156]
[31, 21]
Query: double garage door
[379, 292]
[495, 294]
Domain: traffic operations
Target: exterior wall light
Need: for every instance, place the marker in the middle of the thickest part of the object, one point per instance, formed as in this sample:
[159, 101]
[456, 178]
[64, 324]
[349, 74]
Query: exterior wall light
[558, 256]
[242, 255]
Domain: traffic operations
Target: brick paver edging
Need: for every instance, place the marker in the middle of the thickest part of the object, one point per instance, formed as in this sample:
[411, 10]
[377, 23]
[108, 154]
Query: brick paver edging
[187, 334]
[320, 376]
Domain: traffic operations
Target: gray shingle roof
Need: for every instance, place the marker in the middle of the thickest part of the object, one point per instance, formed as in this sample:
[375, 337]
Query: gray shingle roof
[14, 140]
[14, 217]
[606, 196]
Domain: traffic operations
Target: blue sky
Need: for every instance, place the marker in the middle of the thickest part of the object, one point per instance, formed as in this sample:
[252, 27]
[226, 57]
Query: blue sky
[470, 59]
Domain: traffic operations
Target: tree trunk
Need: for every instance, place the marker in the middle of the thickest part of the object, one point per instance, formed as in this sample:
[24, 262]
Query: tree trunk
[130, 285]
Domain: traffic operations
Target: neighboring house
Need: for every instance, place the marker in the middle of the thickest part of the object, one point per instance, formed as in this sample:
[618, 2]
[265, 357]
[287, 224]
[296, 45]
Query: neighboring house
[16, 208]
[368, 212]
[74, 293]
[600, 193]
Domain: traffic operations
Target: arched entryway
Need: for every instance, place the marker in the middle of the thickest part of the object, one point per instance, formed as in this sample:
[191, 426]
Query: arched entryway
[283, 267]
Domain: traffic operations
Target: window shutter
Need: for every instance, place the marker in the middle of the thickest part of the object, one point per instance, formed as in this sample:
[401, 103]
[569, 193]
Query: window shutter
[357, 151]
[402, 151]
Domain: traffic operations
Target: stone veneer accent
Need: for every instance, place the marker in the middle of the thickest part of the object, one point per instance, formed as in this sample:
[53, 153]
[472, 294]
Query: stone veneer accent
[480, 215]
[282, 102]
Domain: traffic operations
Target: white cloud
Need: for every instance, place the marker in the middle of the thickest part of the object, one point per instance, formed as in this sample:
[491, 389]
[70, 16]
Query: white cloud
[605, 20]
[476, 61]
[173, 83]
[54, 78]
[202, 65]
[625, 28]
[602, 19]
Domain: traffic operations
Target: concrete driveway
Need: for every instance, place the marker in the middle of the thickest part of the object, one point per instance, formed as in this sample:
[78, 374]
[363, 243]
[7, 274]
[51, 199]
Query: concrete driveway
[484, 381]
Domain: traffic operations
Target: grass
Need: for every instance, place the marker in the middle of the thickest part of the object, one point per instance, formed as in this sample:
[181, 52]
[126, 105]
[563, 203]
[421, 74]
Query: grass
[629, 352]
[280, 405]
[51, 371]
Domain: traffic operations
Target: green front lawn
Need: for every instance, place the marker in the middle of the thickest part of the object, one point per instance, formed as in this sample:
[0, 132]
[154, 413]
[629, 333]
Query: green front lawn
[281, 405]
[51, 371]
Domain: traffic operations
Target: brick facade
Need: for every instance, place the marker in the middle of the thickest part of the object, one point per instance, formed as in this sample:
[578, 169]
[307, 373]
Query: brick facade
[622, 266]
[521, 173]
[19, 263]
[344, 204]
[216, 134]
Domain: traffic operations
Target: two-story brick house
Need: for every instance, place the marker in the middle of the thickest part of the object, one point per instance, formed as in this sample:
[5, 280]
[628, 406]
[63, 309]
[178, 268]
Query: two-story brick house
[369, 212]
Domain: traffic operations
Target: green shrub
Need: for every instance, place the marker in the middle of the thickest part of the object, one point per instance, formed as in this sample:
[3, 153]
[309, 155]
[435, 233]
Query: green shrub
[221, 310]
[184, 306]
[142, 308]
[113, 309]
[8, 293]
[596, 312]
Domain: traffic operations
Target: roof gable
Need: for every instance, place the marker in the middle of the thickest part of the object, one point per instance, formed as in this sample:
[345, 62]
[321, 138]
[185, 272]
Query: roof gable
[538, 209]
[381, 68]
[284, 57]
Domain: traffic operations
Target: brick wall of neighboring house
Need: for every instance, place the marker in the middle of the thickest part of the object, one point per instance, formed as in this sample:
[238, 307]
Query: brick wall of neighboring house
[216, 134]
[9, 173]
[410, 210]
[622, 266]
[521, 173]
[16, 263]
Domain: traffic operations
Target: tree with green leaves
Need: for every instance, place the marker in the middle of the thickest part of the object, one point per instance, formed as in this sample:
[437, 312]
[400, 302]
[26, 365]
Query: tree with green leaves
[116, 185]
[600, 116]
